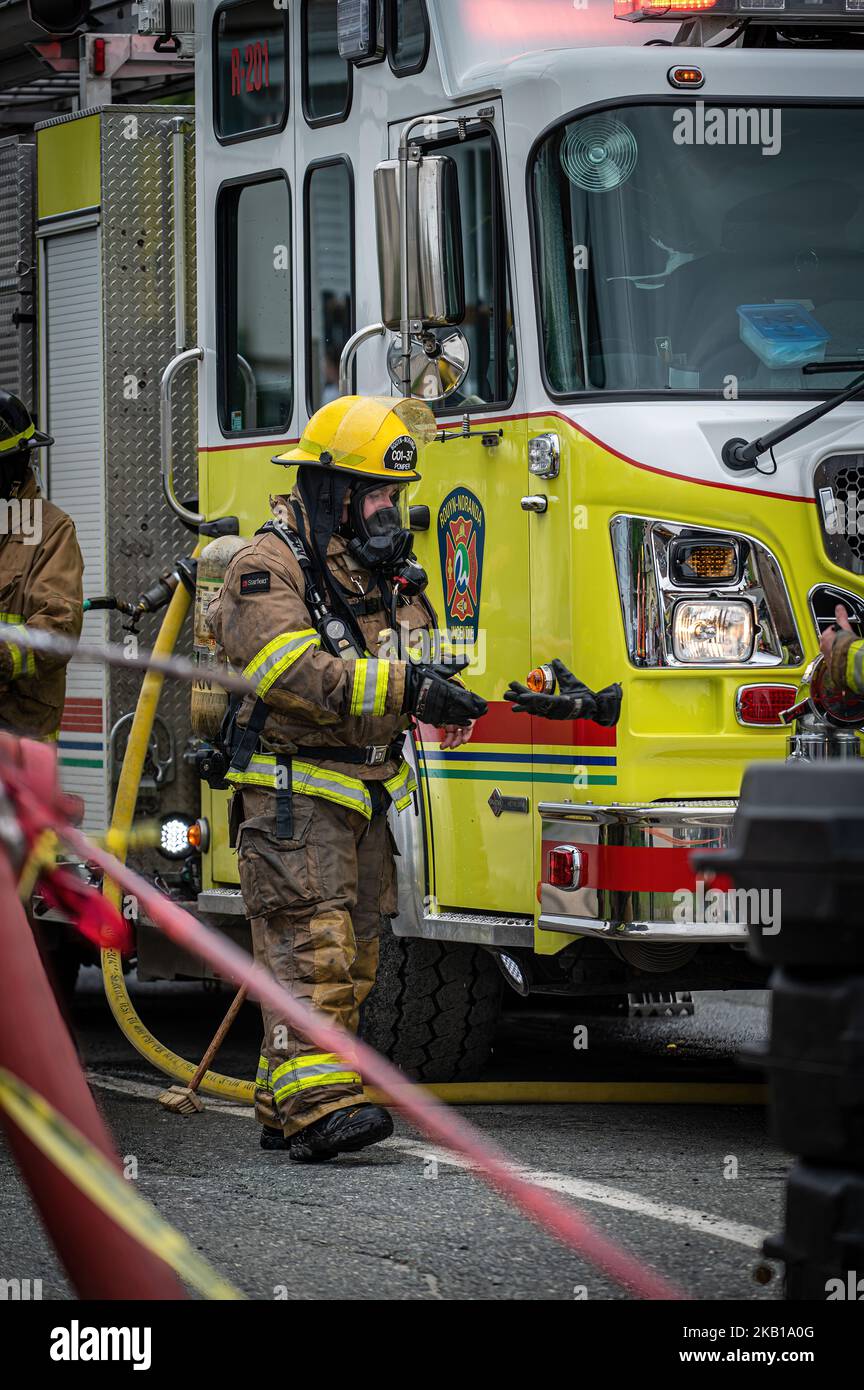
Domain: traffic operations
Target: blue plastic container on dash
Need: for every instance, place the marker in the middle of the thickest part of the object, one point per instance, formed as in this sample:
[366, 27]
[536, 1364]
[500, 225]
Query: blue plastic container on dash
[782, 334]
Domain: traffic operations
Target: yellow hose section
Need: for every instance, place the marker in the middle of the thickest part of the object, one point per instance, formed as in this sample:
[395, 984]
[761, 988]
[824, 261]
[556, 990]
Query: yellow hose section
[133, 1028]
[589, 1093]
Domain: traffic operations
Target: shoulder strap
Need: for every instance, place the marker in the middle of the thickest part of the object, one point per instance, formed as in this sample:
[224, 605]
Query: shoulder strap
[293, 542]
[346, 618]
[241, 750]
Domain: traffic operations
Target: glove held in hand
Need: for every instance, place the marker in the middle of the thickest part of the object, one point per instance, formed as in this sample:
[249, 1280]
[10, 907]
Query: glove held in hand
[574, 701]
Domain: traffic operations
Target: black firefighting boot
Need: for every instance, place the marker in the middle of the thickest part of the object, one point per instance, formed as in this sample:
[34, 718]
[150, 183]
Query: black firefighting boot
[272, 1140]
[341, 1131]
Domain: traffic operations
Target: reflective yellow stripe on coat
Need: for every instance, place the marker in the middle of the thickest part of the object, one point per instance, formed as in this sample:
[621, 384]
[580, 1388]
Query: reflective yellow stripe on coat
[273, 660]
[309, 780]
[855, 667]
[371, 682]
[402, 787]
[23, 658]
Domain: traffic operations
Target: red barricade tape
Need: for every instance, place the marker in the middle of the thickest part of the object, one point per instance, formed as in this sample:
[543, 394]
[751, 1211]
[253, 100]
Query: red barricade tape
[429, 1114]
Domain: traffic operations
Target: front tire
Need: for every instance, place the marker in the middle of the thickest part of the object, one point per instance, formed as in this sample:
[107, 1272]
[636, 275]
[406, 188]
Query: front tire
[434, 1007]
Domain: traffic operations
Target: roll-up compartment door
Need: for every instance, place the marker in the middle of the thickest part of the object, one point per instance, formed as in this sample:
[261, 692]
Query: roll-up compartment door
[73, 395]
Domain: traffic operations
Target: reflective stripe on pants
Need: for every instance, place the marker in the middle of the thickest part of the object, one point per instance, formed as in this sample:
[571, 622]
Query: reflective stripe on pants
[320, 898]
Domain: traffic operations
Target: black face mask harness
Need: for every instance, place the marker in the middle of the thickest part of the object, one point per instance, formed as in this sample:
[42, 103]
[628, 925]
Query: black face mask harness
[379, 542]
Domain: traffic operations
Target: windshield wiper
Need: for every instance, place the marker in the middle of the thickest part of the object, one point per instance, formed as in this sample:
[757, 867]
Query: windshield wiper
[739, 454]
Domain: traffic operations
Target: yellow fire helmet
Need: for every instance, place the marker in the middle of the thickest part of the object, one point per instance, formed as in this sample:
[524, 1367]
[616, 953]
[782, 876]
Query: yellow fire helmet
[366, 436]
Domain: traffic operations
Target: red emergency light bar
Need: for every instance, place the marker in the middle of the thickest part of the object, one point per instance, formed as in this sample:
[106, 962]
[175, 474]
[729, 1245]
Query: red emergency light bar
[773, 11]
[660, 9]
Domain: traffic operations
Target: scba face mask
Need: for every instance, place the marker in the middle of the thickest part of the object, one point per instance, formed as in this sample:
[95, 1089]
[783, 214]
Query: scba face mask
[379, 525]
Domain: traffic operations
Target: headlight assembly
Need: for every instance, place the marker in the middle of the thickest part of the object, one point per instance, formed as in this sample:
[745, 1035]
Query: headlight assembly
[713, 630]
[698, 596]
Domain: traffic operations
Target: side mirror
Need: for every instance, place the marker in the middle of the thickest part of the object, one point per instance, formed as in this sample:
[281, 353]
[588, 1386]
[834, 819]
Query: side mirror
[436, 276]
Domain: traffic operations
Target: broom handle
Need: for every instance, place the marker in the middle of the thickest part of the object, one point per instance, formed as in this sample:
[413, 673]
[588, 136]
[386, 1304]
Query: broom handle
[219, 1038]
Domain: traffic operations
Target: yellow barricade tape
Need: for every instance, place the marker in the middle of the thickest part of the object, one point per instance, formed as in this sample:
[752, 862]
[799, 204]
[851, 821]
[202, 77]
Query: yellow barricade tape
[42, 856]
[93, 1175]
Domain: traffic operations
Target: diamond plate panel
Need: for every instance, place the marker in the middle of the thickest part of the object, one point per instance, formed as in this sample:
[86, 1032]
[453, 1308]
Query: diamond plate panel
[144, 536]
[17, 244]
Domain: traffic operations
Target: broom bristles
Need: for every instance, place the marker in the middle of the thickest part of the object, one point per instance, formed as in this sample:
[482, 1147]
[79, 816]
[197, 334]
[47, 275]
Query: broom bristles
[181, 1100]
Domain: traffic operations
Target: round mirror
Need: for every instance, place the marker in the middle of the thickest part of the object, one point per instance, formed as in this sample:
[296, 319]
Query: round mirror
[439, 363]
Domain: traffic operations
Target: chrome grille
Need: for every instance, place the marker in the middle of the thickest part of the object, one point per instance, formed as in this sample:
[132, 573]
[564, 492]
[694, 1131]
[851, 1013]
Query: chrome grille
[839, 487]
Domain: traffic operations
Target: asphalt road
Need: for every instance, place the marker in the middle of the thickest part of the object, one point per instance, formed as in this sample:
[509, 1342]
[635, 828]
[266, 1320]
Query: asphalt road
[690, 1189]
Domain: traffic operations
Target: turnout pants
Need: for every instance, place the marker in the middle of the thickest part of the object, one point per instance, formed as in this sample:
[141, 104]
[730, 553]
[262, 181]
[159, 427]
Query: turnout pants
[315, 904]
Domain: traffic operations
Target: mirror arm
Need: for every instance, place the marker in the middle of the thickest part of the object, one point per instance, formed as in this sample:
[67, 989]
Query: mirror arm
[349, 352]
[491, 438]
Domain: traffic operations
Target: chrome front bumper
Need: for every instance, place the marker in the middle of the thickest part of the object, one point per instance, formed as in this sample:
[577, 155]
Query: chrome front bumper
[636, 882]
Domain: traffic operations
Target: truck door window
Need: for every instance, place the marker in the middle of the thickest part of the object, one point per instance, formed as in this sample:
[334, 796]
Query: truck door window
[250, 56]
[408, 27]
[488, 325]
[329, 215]
[326, 76]
[255, 308]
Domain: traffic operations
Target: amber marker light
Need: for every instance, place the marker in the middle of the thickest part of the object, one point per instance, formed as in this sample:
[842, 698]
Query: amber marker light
[198, 835]
[541, 680]
[686, 77]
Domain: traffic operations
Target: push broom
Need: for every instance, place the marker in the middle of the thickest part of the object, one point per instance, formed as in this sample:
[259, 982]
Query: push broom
[183, 1099]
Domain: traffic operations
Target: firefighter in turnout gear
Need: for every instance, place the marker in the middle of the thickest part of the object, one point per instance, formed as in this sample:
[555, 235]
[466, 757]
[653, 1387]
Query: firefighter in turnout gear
[844, 654]
[41, 573]
[322, 610]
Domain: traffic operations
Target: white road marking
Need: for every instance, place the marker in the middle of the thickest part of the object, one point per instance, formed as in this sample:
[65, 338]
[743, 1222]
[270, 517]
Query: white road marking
[701, 1222]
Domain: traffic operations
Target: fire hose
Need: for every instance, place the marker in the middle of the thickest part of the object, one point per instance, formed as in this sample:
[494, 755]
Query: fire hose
[120, 1003]
[38, 813]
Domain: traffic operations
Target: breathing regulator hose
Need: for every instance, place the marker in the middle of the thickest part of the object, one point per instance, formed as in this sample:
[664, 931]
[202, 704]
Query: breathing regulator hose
[133, 1027]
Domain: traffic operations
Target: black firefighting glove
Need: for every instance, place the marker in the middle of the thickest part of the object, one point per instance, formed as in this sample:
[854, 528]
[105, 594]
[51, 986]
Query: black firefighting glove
[574, 700]
[437, 700]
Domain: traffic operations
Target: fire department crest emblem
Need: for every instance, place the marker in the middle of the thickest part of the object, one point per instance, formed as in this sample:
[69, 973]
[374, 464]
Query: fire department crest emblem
[461, 540]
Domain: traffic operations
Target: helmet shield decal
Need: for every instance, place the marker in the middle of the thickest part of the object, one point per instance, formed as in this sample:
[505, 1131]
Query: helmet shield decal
[401, 455]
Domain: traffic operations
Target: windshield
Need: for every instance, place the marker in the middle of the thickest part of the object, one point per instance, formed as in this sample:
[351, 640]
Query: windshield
[698, 247]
